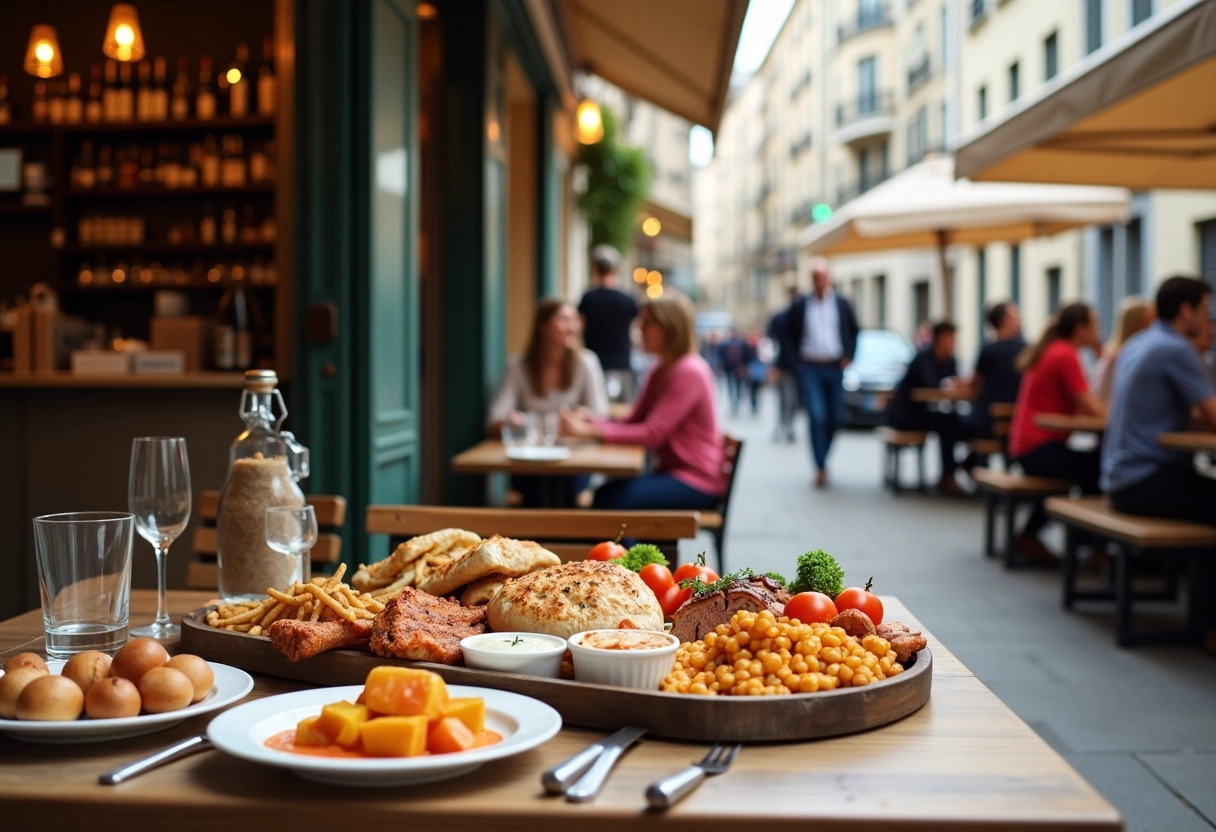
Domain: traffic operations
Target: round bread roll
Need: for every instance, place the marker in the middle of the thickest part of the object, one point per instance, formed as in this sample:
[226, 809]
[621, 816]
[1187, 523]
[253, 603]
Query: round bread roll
[567, 599]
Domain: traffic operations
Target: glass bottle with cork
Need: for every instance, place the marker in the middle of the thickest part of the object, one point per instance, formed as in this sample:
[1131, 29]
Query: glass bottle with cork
[265, 465]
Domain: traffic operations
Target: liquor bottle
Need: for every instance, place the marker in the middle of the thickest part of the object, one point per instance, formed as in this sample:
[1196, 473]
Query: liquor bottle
[105, 167]
[249, 225]
[6, 107]
[266, 80]
[39, 109]
[55, 104]
[128, 169]
[228, 225]
[73, 112]
[259, 169]
[179, 106]
[126, 93]
[84, 175]
[94, 111]
[143, 96]
[188, 173]
[109, 94]
[239, 83]
[147, 168]
[209, 164]
[206, 228]
[160, 91]
[232, 165]
[237, 322]
[204, 97]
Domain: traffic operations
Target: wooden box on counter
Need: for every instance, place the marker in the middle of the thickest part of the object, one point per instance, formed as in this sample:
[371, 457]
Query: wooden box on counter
[188, 334]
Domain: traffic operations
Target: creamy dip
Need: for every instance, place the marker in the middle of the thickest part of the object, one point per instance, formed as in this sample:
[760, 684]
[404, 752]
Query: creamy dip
[516, 644]
[625, 640]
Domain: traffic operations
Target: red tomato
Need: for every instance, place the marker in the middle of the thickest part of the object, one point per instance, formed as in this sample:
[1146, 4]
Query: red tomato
[673, 598]
[811, 606]
[609, 549]
[657, 577]
[856, 598]
[687, 571]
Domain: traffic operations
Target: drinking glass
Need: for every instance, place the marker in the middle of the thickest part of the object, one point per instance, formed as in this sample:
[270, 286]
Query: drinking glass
[544, 427]
[160, 500]
[515, 430]
[292, 531]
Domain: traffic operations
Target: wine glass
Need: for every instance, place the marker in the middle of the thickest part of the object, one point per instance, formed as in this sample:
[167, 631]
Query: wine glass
[159, 497]
[292, 530]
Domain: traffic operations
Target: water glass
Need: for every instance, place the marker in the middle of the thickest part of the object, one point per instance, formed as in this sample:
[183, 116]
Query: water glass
[515, 432]
[84, 577]
[544, 427]
[292, 531]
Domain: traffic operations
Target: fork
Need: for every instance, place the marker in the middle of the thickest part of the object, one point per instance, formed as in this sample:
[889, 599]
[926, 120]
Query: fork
[665, 793]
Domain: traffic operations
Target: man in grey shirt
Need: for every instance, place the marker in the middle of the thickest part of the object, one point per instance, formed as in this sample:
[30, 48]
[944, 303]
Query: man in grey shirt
[1159, 381]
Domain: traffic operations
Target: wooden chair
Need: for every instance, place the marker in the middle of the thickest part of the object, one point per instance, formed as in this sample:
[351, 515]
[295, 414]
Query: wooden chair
[1000, 416]
[203, 573]
[894, 441]
[567, 532]
[714, 522]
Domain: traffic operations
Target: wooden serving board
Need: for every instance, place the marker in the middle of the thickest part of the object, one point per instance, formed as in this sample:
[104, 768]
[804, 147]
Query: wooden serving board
[802, 716]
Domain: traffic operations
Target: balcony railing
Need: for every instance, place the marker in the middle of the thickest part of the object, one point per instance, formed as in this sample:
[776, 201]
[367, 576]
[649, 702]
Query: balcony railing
[866, 105]
[919, 73]
[872, 16]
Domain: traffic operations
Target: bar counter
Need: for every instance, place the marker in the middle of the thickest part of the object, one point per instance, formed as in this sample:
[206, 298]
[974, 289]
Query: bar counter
[196, 380]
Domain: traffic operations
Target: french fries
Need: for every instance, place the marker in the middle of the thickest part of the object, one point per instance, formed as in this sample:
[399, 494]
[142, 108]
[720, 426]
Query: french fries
[322, 599]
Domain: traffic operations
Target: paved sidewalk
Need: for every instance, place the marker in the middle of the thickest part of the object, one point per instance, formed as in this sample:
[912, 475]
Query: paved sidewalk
[1139, 724]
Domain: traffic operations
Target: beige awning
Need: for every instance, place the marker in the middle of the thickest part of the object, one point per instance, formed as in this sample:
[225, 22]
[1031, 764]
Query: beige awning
[674, 53]
[675, 224]
[1139, 113]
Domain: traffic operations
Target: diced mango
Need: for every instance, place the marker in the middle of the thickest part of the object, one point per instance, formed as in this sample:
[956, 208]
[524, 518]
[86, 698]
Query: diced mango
[307, 732]
[471, 710]
[449, 735]
[394, 736]
[405, 691]
[341, 722]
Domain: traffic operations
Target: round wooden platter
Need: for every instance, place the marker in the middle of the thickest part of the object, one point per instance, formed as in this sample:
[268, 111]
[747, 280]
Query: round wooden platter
[797, 717]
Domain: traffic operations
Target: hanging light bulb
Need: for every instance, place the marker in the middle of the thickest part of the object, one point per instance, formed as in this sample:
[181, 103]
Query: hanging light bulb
[43, 58]
[589, 122]
[124, 41]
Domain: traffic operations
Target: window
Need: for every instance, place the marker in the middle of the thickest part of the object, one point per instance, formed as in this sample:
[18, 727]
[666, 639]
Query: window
[1051, 57]
[1053, 289]
[945, 44]
[1134, 276]
[1093, 25]
[1106, 276]
[867, 85]
[982, 103]
[944, 134]
[869, 13]
[880, 296]
[1015, 273]
[1014, 82]
[981, 269]
[920, 303]
[1142, 10]
[918, 135]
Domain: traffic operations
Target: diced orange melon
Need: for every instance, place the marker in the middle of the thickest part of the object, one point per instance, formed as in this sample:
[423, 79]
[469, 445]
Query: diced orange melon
[307, 732]
[341, 722]
[395, 736]
[471, 710]
[449, 735]
[405, 691]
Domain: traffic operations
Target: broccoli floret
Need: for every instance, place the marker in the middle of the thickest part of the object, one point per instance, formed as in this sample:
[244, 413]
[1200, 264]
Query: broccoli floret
[640, 555]
[818, 572]
[778, 577]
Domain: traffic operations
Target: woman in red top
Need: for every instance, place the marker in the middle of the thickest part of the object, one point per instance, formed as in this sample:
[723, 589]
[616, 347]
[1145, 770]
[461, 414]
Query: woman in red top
[1054, 382]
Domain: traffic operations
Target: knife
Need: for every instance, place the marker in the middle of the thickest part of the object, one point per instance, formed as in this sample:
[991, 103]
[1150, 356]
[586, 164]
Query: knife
[558, 779]
[588, 786]
[185, 748]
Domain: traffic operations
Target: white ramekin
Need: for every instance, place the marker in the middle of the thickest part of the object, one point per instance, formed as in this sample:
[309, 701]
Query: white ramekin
[639, 668]
[546, 662]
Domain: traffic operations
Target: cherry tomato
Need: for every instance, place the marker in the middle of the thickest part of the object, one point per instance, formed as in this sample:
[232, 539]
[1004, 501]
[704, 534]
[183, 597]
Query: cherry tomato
[856, 598]
[811, 606]
[671, 596]
[687, 571]
[609, 549]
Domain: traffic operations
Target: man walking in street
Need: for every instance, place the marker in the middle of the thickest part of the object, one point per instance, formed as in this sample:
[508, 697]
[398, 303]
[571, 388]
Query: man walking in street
[821, 330]
[607, 315]
[786, 364]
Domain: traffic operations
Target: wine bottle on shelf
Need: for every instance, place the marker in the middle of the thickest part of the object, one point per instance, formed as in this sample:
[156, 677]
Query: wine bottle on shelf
[259, 171]
[179, 105]
[239, 83]
[109, 94]
[39, 107]
[189, 172]
[232, 165]
[236, 320]
[6, 107]
[266, 80]
[206, 228]
[126, 93]
[249, 224]
[56, 103]
[228, 225]
[160, 91]
[73, 112]
[204, 96]
[128, 169]
[105, 167]
[147, 168]
[94, 111]
[143, 94]
[209, 164]
[84, 175]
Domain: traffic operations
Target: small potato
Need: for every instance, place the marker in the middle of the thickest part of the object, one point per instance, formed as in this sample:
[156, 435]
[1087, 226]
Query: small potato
[87, 668]
[197, 671]
[112, 698]
[137, 657]
[50, 698]
[164, 689]
[24, 660]
[11, 685]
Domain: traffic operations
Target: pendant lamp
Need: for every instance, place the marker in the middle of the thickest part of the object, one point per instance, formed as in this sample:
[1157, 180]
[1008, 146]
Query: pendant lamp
[42, 57]
[124, 40]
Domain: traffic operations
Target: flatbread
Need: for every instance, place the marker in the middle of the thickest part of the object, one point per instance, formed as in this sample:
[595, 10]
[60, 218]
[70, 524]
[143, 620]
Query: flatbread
[440, 547]
[496, 556]
[482, 590]
[573, 597]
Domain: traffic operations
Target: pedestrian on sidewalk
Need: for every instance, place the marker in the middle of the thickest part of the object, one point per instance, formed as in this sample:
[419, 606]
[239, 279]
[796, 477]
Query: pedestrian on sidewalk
[785, 363]
[608, 315]
[821, 330]
[733, 356]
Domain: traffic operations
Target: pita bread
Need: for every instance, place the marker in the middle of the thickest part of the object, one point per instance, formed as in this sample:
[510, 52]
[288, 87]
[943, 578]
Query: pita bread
[440, 547]
[497, 555]
[573, 597]
[482, 590]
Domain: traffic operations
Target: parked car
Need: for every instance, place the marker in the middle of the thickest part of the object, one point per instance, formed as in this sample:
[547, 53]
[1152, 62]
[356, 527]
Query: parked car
[879, 364]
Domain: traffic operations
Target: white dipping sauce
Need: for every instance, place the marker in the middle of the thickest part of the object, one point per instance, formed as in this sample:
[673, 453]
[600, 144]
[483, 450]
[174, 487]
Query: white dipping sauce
[516, 644]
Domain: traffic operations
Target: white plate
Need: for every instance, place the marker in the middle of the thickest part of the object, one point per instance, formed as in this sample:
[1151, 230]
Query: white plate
[538, 453]
[231, 684]
[242, 731]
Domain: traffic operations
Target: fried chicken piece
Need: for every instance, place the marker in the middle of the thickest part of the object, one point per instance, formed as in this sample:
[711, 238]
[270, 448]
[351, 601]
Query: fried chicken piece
[417, 625]
[301, 639]
[904, 641]
[854, 622]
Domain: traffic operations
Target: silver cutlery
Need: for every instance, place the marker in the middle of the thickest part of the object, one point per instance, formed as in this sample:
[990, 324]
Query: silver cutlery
[593, 765]
[665, 793]
[176, 751]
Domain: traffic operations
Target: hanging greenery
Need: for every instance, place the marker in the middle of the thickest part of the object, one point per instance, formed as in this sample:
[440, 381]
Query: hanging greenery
[618, 180]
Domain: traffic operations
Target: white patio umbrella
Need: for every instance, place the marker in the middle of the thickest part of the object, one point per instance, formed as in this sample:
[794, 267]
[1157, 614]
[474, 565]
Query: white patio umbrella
[926, 207]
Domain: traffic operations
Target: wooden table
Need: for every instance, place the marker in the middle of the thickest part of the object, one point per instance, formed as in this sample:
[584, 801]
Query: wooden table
[963, 761]
[490, 456]
[1189, 441]
[939, 394]
[1071, 424]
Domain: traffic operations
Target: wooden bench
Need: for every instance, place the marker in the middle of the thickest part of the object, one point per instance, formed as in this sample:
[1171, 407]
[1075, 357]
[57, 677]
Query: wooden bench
[1000, 415]
[1003, 493]
[1137, 536]
[714, 522]
[567, 532]
[202, 571]
[894, 441]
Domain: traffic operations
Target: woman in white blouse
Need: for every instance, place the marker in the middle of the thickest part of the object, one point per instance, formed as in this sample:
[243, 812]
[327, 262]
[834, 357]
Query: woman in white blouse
[554, 374]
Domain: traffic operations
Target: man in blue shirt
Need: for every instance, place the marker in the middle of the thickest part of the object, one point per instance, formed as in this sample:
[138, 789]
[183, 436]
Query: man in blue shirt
[1159, 381]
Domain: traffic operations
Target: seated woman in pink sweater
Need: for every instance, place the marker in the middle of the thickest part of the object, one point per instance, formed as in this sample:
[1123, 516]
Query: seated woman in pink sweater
[673, 417]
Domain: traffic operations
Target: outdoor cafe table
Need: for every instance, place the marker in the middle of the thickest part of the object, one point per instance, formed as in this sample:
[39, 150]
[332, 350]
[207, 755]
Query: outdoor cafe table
[941, 394]
[490, 456]
[1071, 424]
[963, 761]
[1189, 441]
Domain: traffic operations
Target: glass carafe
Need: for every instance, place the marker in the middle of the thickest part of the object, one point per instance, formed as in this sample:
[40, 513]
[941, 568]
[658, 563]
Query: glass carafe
[264, 466]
